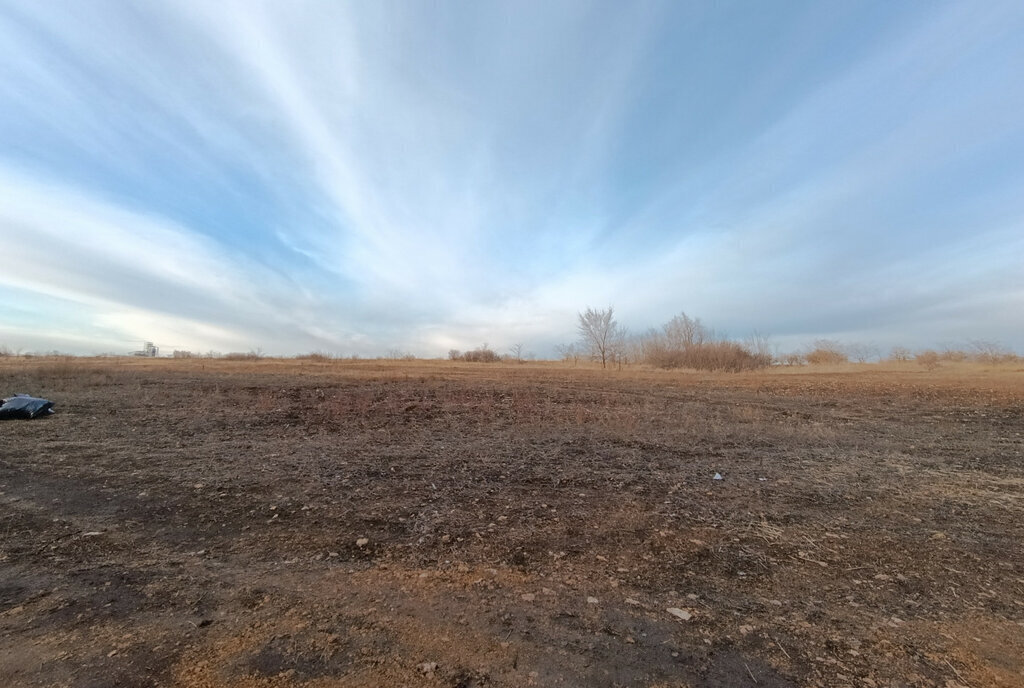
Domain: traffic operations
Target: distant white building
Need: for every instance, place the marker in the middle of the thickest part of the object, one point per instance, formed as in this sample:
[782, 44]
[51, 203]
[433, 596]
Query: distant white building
[149, 349]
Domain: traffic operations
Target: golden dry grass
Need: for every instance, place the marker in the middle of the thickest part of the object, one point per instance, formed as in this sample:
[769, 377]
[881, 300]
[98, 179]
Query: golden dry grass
[196, 522]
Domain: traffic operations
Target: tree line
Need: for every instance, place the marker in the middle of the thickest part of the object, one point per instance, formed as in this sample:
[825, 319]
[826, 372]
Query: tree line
[682, 342]
[685, 342]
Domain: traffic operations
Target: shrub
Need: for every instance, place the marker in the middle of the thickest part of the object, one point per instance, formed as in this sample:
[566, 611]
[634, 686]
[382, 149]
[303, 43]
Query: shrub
[248, 356]
[991, 352]
[481, 354]
[315, 356]
[686, 343]
[928, 358]
[826, 352]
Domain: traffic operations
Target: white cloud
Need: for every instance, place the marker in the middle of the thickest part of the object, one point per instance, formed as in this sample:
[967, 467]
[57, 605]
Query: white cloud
[437, 178]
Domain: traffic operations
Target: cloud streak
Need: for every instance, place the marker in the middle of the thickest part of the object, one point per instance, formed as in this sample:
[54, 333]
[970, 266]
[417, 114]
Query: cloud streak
[359, 178]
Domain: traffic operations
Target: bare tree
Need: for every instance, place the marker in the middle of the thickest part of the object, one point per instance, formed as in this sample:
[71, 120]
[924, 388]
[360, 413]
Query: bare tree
[861, 352]
[900, 353]
[683, 332]
[517, 351]
[568, 352]
[760, 345]
[988, 351]
[601, 334]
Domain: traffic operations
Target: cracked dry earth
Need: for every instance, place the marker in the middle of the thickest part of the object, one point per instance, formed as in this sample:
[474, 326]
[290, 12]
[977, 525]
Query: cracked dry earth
[210, 523]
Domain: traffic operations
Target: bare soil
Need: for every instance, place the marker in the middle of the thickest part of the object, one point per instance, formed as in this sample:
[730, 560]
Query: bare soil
[214, 523]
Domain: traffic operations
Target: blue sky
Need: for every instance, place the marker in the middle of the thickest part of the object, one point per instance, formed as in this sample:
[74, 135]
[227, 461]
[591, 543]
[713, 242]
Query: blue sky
[364, 177]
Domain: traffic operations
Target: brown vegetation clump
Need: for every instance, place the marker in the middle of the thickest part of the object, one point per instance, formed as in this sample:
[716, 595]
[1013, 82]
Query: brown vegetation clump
[481, 354]
[826, 352]
[240, 356]
[991, 353]
[685, 342]
[723, 356]
[928, 358]
[321, 356]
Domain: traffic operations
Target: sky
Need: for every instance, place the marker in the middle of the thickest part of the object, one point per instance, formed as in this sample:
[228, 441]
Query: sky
[369, 177]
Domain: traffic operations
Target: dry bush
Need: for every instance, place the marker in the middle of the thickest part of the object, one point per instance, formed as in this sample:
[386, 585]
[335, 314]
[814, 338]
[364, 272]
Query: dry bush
[315, 356]
[953, 355]
[928, 358]
[183, 354]
[685, 342]
[991, 353]
[481, 354]
[826, 352]
[238, 356]
[728, 356]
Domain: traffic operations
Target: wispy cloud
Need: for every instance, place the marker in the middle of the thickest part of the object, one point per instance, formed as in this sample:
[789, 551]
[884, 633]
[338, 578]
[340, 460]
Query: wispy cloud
[365, 177]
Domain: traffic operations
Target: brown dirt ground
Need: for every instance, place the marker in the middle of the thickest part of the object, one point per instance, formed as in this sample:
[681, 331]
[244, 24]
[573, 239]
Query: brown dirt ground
[201, 523]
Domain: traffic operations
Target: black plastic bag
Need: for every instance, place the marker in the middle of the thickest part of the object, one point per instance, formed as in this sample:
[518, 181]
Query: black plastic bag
[24, 407]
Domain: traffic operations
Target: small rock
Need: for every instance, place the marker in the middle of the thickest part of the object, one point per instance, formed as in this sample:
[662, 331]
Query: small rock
[680, 613]
[592, 600]
[362, 542]
[427, 668]
[635, 603]
[528, 597]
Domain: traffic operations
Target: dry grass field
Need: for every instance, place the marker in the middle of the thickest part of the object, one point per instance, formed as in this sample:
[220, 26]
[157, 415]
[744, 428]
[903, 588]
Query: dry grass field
[208, 523]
